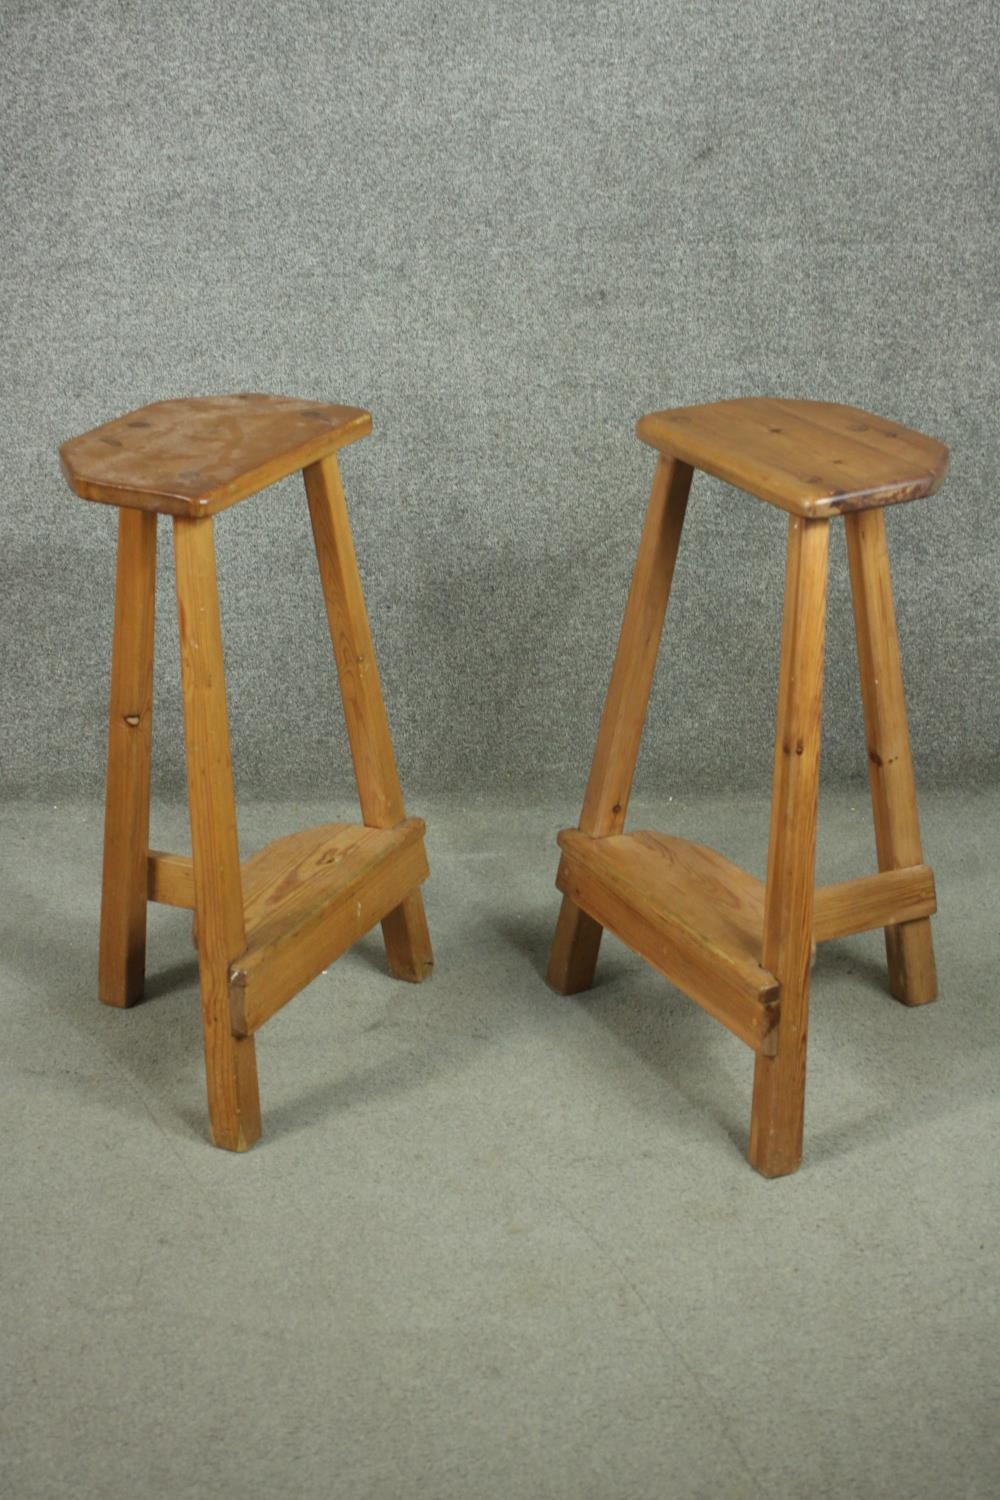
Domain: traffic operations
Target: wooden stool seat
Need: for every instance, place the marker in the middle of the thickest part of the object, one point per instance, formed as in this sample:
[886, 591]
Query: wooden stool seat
[740, 947]
[265, 928]
[198, 455]
[811, 458]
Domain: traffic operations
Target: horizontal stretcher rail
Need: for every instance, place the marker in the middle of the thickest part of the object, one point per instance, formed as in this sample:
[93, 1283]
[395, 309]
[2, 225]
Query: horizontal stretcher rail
[170, 879]
[881, 900]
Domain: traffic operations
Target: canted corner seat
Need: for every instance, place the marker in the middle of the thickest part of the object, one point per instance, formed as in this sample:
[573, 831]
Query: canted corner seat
[198, 455]
[810, 458]
[740, 947]
[263, 929]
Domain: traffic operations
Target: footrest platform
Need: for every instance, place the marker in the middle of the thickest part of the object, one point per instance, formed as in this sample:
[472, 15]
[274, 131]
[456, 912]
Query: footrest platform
[307, 898]
[686, 910]
[699, 919]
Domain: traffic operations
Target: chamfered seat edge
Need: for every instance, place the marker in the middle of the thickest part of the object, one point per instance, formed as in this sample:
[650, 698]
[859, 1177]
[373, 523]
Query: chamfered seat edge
[281, 436]
[814, 459]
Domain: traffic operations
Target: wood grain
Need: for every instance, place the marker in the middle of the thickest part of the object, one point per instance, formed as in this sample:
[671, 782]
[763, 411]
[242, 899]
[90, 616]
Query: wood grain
[575, 948]
[122, 960]
[298, 865]
[909, 945]
[404, 930]
[574, 951]
[230, 1063]
[687, 910]
[198, 455]
[170, 879]
[407, 939]
[873, 901]
[779, 1082]
[310, 897]
[811, 458]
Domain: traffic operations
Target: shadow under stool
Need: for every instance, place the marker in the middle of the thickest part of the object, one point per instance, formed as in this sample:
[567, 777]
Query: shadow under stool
[268, 927]
[740, 948]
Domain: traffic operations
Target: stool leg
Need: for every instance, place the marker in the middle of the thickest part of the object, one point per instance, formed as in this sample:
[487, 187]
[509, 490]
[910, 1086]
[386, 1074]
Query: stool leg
[780, 1081]
[122, 962]
[909, 947]
[404, 930]
[578, 937]
[230, 1062]
[575, 947]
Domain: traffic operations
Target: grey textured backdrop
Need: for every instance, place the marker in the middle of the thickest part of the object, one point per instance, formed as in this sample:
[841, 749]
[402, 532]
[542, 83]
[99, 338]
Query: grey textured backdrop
[507, 230]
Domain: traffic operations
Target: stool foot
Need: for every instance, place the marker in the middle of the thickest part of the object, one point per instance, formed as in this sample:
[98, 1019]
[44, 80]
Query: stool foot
[407, 940]
[909, 950]
[777, 1115]
[233, 1098]
[575, 947]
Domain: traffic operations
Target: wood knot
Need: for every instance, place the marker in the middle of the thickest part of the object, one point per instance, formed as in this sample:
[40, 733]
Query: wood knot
[132, 720]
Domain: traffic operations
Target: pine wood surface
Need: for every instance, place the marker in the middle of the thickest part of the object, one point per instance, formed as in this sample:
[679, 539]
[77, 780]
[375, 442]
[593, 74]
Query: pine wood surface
[198, 455]
[812, 458]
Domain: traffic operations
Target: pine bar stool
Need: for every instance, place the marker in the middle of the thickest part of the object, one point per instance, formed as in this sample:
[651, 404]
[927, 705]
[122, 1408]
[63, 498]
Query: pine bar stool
[740, 948]
[268, 927]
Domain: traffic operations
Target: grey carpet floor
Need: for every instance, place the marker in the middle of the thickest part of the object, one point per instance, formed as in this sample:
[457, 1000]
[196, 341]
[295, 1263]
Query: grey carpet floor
[495, 1242]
